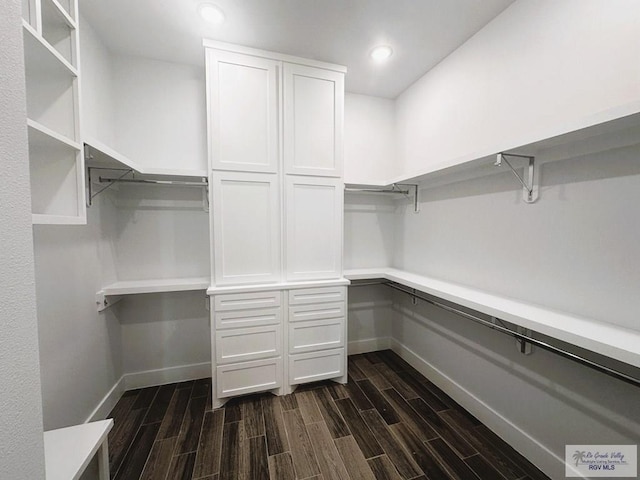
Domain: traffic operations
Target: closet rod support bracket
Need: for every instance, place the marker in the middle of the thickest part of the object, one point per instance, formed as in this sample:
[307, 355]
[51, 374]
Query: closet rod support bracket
[530, 190]
[105, 301]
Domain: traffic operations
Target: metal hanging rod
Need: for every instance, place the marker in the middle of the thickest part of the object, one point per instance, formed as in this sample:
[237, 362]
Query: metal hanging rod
[396, 188]
[154, 182]
[507, 331]
[529, 187]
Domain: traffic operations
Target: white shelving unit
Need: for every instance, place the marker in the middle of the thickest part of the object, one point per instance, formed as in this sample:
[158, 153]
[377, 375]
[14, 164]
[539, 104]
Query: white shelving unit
[52, 77]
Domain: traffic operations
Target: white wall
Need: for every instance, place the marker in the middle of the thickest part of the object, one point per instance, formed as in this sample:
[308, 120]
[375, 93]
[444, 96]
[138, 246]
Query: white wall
[160, 113]
[21, 440]
[369, 139]
[80, 350]
[535, 68]
[574, 250]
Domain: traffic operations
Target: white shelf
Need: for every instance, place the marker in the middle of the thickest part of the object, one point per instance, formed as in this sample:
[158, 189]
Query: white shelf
[134, 287]
[41, 56]
[46, 219]
[616, 342]
[68, 451]
[44, 137]
[216, 290]
[103, 156]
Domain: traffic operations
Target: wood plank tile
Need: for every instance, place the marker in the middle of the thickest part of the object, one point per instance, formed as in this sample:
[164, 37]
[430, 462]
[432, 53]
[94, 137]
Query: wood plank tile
[353, 460]
[185, 385]
[182, 466]
[160, 404]
[330, 414]
[252, 416]
[361, 433]
[255, 465]
[175, 413]
[231, 454]
[159, 460]
[276, 434]
[522, 463]
[443, 429]
[191, 426]
[337, 390]
[380, 382]
[281, 467]
[121, 410]
[304, 459]
[136, 457]
[418, 450]
[308, 406]
[397, 382]
[232, 410]
[383, 469]
[395, 362]
[409, 416]
[482, 468]
[288, 402]
[445, 399]
[329, 459]
[454, 465]
[145, 397]
[365, 366]
[494, 455]
[379, 402]
[357, 396]
[210, 445]
[201, 387]
[373, 357]
[423, 392]
[121, 441]
[403, 462]
[354, 371]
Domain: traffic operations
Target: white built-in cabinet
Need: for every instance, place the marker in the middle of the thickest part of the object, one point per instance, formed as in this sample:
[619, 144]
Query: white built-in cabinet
[275, 148]
[52, 80]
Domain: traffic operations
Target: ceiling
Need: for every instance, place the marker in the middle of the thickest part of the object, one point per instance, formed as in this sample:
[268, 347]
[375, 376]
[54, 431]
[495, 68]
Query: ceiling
[421, 32]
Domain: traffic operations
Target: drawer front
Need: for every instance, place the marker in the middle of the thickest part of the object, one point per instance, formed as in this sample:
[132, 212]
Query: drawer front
[247, 318]
[310, 367]
[248, 377]
[244, 301]
[322, 311]
[243, 344]
[306, 296]
[316, 335]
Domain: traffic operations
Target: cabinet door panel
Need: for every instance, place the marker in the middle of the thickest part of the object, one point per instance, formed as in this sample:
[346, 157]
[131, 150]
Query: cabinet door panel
[246, 226]
[313, 122]
[243, 110]
[314, 366]
[248, 377]
[314, 228]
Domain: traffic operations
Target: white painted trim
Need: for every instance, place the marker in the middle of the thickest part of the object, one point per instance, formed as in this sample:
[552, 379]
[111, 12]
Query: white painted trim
[162, 376]
[524, 443]
[368, 345]
[108, 402]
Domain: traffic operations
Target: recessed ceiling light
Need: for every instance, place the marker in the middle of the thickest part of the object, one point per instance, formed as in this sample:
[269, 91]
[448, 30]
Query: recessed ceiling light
[381, 53]
[211, 13]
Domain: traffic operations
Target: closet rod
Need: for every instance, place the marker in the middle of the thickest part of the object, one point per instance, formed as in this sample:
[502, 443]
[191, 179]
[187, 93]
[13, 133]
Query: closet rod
[153, 182]
[376, 190]
[545, 346]
[395, 188]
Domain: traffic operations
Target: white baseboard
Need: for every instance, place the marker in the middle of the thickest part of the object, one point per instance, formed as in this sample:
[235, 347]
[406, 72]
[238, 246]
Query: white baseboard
[536, 452]
[108, 402]
[162, 376]
[368, 345]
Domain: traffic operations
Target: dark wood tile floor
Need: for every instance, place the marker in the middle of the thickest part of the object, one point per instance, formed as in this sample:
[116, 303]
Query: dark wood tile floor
[388, 422]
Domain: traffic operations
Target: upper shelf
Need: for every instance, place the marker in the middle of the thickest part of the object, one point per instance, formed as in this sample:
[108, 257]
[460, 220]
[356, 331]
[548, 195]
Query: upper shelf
[99, 155]
[599, 132]
[613, 341]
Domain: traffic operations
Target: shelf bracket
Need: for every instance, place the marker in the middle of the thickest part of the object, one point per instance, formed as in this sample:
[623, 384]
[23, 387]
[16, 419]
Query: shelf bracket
[529, 187]
[105, 301]
[411, 187]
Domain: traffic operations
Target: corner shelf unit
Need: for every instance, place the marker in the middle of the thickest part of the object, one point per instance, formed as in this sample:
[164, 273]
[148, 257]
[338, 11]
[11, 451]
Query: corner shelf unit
[52, 77]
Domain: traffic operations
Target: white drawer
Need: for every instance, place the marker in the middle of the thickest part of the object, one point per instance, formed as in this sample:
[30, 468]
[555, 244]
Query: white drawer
[316, 335]
[247, 318]
[302, 313]
[310, 367]
[248, 377]
[243, 344]
[244, 301]
[305, 296]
